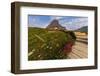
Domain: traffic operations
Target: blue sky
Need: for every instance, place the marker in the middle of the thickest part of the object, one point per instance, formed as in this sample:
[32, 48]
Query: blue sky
[70, 22]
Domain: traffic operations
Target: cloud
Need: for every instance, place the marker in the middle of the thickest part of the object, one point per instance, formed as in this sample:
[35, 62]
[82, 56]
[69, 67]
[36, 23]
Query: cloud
[75, 23]
[56, 17]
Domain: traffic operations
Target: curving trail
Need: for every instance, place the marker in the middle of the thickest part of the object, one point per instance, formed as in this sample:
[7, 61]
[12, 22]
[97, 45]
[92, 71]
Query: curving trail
[80, 49]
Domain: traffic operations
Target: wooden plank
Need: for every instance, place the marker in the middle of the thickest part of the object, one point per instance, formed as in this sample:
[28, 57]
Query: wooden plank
[80, 50]
[82, 40]
[81, 44]
[82, 36]
[80, 53]
[81, 47]
[73, 56]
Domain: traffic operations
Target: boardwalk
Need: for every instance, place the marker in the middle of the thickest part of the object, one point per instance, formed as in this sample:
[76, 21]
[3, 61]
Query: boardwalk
[80, 49]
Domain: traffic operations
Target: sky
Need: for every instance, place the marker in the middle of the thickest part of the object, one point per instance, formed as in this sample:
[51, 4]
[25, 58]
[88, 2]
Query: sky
[69, 22]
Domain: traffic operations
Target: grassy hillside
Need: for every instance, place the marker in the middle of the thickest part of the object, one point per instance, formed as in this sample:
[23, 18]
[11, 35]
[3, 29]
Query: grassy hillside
[46, 44]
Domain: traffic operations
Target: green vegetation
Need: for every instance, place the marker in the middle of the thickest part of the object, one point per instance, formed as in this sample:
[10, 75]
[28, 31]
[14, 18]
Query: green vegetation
[44, 44]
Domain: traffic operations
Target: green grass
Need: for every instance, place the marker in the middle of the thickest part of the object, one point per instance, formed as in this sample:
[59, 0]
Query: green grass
[44, 44]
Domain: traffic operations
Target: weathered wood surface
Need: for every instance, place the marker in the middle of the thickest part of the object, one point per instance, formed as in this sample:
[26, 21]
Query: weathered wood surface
[80, 49]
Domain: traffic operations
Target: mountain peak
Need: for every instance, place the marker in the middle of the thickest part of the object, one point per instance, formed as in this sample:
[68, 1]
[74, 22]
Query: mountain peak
[55, 25]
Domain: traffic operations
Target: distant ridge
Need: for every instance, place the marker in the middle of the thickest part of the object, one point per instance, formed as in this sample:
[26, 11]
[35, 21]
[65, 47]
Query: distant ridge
[83, 29]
